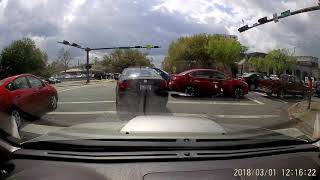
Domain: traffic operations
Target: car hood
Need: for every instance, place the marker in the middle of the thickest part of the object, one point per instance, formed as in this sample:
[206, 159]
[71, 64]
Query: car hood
[165, 127]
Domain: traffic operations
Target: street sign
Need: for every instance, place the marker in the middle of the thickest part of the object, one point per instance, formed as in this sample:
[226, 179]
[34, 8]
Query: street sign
[286, 13]
[275, 18]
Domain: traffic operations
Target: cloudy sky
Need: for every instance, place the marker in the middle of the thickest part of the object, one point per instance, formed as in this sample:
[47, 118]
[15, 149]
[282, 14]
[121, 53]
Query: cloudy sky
[104, 23]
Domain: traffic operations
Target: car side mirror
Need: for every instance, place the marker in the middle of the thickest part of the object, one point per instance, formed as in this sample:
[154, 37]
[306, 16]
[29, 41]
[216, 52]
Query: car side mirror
[10, 87]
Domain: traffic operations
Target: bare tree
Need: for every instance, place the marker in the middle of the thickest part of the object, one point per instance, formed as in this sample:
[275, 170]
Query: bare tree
[65, 58]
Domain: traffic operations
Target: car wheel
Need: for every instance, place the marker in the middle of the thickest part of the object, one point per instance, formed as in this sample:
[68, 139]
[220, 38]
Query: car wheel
[16, 117]
[252, 87]
[269, 93]
[189, 90]
[53, 102]
[238, 92]
[281, 94]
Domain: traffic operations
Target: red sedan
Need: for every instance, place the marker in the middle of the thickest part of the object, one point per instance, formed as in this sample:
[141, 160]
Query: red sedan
[26, 94]
[207, 81]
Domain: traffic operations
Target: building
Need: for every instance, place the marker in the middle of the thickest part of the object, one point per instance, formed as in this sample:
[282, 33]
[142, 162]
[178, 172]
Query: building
[307, 66]
[244, 66]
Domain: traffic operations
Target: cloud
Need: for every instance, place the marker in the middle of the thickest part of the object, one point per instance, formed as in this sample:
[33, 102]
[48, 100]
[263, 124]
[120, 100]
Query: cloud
[106, 23]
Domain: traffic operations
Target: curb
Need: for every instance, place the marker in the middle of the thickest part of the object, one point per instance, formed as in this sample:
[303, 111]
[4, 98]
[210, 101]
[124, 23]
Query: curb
[300, 124]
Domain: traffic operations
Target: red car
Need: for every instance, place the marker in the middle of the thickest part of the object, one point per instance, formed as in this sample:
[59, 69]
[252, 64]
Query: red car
[26, 94]
[207, 82]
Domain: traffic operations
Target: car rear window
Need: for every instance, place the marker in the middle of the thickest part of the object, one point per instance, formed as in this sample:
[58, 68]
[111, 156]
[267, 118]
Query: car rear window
[138, 72]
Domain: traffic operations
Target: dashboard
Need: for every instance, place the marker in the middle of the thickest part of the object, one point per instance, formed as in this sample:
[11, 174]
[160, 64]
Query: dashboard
[159, 165]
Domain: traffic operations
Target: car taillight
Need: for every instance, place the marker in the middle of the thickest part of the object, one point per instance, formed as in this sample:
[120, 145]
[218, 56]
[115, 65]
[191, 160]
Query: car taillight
[126, 84]
[163, 84]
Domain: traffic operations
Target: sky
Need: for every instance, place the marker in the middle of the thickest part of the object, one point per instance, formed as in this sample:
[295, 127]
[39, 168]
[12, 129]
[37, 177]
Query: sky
[109, 23]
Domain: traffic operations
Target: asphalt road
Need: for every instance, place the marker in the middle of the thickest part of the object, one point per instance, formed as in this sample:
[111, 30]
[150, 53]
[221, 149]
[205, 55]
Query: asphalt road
[79, 103]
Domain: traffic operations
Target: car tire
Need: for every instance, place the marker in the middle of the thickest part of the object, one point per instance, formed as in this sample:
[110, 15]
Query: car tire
[281, 94]
[16, 117]
[238, 92]
[269, 93]
[191, 91]
[53, 103]
[252, 87]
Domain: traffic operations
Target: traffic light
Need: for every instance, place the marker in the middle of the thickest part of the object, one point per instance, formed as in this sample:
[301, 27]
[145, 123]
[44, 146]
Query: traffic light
[286, 13]
[263, 20]
[243, 28]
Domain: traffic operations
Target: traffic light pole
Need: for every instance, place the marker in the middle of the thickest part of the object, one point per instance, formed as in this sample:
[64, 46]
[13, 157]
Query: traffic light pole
[87, 65]
[313, 8]
[87, 50]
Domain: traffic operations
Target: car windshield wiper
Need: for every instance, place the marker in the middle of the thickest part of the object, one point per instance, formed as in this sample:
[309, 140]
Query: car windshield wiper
[156, 144]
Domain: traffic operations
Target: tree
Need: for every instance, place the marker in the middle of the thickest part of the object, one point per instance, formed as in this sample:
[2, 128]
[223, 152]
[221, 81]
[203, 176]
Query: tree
[121, 59]
[225, 51]
[205, 51]
[65, 57]
[278, 60]
[22, 56]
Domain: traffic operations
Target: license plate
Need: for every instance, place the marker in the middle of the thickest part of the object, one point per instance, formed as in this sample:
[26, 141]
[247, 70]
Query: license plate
[145, 87]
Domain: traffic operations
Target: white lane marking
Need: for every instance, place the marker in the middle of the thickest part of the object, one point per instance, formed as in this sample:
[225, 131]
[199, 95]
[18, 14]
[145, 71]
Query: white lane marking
[170, 114]
[210, 103]
[245, 116]
[82, 86]
[256, 101]
[283, 101]
[316, 126]
[265, 95]
[71, 89]
[86, 102]
[173, 102]
[262, 94]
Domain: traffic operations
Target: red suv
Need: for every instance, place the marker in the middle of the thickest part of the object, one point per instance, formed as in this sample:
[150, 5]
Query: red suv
[207, 82]
[26, 94]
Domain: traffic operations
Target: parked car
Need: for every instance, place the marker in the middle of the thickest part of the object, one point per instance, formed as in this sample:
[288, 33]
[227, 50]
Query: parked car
[26, 94]
[100, 75]
[140, 88]
[197, 82]
[52, 80]
[286, 85]
[274, 77]
[253, 80]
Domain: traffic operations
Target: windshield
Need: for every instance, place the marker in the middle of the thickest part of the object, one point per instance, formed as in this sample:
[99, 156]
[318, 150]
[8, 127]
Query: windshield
[160, 69]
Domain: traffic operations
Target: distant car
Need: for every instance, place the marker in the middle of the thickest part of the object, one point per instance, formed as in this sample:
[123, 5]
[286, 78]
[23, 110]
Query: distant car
[140, 88]
[26, 94]
[100, 75]
[274, 77]
[198, 82]
[286, 85]
[116, 76]
[253, 80]
[52, 80]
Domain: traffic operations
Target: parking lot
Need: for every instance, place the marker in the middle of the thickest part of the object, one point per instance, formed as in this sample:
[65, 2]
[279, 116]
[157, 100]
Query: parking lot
[80, 103]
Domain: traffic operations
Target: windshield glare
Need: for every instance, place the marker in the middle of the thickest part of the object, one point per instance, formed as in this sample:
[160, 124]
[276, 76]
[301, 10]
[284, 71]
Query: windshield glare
[160, 70]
